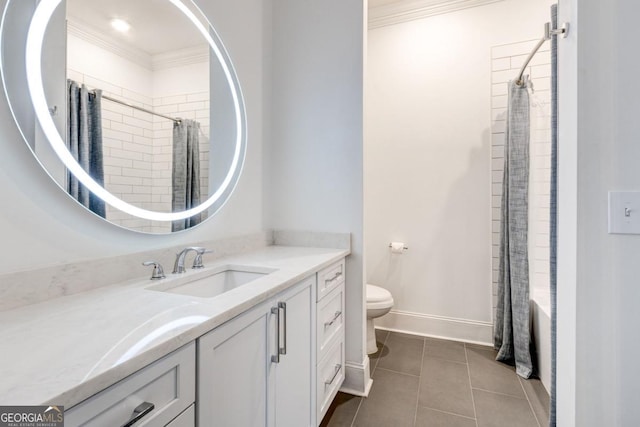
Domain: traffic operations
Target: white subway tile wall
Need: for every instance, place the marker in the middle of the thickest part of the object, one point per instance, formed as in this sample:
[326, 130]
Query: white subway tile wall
[506, 62]
[138, 145]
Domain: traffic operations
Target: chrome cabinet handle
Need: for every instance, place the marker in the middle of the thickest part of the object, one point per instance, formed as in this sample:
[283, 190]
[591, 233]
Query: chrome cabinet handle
[335, 317]
[335, 277]
[138, 413]
[276, 358]
[335, 374]
[283, 306]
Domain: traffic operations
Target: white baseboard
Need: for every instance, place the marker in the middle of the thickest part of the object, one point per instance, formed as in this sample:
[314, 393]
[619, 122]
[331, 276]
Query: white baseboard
[357, 379]
[470, 331]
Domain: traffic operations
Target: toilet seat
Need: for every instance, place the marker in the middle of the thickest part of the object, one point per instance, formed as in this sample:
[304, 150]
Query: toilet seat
[378, 297]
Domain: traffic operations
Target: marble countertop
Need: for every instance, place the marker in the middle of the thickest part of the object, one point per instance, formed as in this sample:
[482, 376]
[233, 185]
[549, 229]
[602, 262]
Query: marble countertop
[64, 350]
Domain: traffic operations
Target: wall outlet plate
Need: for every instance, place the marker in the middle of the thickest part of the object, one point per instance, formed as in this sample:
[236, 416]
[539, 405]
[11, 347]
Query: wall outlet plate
[624, 212]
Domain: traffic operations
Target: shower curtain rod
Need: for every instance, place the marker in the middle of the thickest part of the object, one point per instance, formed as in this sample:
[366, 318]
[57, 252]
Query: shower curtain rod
[548, 32]
[176, 120]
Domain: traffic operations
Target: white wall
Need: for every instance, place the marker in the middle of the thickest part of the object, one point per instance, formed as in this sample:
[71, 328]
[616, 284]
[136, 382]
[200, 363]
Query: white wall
[427, 164]
[315, 160]
[42, 226]
[598, 316]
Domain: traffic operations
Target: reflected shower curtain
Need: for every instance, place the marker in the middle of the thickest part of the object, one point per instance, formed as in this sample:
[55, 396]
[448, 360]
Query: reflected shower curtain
[186, 171]
[84, 141]
[512, 337]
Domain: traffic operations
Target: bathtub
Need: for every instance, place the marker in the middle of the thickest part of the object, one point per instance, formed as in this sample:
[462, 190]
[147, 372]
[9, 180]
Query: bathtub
[541, 323]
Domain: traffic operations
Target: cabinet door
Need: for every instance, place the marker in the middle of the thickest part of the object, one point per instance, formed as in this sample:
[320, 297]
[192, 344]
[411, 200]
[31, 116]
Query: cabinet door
[293, 374]
[233, 371]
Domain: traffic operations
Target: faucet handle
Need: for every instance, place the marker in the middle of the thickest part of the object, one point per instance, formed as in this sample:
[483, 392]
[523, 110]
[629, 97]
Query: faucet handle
[197, 261]
[158, 271]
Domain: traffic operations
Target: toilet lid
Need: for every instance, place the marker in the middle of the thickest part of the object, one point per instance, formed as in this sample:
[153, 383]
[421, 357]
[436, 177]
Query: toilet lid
[377, 294]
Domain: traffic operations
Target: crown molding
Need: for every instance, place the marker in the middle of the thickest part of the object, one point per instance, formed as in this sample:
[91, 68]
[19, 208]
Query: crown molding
[112, 45]
[403, 11]
[160, 61]
[177, 58]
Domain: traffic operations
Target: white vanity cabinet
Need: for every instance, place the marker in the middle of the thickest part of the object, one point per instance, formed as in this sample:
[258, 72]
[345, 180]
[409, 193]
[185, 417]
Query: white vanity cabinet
[257, 369]
[330, 371]
[278, 364]
[157, 396]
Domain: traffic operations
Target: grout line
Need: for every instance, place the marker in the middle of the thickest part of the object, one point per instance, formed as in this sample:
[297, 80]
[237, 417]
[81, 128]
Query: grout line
[529, 401]
[473, 400]
[401, 373]
[353, 422]
[415, 415]
[499, 393]
[446, 412]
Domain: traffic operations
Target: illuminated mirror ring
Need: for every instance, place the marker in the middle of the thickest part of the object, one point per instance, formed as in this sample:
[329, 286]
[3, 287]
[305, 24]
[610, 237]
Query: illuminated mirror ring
[35, 39]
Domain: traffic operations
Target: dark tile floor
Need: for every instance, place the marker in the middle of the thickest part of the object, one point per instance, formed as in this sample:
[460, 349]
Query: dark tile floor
[436, 383]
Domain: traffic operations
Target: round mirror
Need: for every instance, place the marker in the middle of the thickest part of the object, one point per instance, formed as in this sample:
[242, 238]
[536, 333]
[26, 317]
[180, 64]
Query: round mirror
[132, 107]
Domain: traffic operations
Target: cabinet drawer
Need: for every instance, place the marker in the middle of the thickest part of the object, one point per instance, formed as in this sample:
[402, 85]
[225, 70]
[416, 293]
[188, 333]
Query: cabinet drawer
[169, 384]
[330, 377]
[185, 419]
[330, 319]
[330, 278]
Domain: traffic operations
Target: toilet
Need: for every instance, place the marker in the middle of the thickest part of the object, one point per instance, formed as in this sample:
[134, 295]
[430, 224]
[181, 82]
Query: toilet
[379, 302]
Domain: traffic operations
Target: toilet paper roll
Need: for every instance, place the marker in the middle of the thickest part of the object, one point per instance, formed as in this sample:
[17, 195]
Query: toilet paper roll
[397, 247]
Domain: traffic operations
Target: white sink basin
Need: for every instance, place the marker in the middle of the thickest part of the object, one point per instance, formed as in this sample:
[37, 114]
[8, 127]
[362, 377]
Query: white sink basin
[216, 282]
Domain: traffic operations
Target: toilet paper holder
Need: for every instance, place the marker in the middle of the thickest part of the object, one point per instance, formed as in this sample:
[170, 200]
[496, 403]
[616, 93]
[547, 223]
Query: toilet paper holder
[406, 248]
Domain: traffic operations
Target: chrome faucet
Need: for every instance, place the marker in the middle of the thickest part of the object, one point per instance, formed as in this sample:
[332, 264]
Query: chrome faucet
[178, 267]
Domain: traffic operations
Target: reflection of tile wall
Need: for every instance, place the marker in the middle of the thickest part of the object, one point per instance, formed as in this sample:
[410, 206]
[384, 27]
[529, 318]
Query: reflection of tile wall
[506, 62]
[138, 146]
